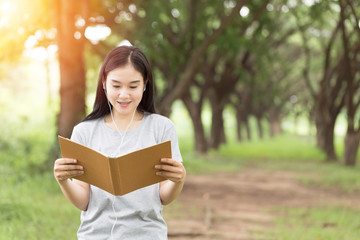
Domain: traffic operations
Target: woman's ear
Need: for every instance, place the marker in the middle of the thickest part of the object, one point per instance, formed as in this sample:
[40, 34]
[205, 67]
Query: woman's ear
[145, 83]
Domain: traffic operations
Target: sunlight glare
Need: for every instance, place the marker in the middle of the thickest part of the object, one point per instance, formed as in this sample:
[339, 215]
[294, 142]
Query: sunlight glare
[229, 4]
[7, 9]
[41, 53]
[310, 2]
[38, 53]
[30, 42]
[5, 13]
[6, 6]
[97, 33]
[244, 11]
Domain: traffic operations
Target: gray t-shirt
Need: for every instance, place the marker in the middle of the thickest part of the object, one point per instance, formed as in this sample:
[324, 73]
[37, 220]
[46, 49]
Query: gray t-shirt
[139, 213]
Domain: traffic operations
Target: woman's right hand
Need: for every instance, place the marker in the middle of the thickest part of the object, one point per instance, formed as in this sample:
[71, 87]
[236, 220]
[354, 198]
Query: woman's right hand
[65, 168]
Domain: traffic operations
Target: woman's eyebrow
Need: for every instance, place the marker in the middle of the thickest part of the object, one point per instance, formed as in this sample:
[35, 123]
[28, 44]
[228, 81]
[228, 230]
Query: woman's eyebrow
[135, 81]
[117, 81]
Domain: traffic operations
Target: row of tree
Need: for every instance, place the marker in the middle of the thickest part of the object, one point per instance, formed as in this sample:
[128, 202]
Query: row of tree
[266, 59]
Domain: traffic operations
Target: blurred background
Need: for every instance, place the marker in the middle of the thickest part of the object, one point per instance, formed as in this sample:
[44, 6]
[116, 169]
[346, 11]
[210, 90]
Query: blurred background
[258, 90]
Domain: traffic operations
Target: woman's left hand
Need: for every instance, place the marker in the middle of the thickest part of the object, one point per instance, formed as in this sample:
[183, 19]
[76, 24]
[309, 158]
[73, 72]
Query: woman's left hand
[172, 170]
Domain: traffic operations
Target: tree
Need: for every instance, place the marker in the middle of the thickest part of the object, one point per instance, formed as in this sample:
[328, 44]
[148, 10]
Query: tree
[328, 93]
[349, 70]
[176, 37]
[270, 72]
[232, 64]
[71, 42]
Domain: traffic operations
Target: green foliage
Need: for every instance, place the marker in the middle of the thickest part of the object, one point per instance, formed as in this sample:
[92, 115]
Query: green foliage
[31, 203]
[27, 128]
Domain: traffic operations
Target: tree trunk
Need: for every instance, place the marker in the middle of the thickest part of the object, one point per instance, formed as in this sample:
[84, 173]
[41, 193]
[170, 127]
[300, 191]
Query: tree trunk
[217, 130]
[325, 135]
[217, 125]
[242, 121]
[72, 74]
[242, 114]
[260, 128]
[194, 110]
[275, 125]
[72, 70]
[352, 140]
[348, 71]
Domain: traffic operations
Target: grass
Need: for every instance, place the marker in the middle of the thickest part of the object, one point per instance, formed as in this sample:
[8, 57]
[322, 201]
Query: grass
[296, 154]
[332, 223]
[285, 147]
[34, 207]
[286, 152]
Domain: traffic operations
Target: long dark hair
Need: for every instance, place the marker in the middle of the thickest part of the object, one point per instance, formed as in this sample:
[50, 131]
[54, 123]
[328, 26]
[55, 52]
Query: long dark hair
[119, 57]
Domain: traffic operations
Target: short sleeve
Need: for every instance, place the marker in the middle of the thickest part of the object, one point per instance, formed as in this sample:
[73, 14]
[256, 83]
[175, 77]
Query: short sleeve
[170, 134]
[76, 135]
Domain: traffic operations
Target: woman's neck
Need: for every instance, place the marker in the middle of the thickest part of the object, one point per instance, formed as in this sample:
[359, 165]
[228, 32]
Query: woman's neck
[123, 122]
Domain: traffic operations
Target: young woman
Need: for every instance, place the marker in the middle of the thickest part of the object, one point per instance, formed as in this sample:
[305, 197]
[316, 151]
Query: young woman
[123, 120]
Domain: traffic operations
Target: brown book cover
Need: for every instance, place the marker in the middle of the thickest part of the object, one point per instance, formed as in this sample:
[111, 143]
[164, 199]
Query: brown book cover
[119, 175]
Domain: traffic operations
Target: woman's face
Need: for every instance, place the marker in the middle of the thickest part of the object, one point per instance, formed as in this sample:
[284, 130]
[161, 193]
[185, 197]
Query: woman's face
[124, 88]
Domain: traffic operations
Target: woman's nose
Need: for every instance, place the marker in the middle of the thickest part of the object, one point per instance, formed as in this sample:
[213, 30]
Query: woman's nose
[123, 92]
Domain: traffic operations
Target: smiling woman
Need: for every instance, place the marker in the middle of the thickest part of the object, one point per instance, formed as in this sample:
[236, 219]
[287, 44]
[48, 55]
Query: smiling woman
[123, 120]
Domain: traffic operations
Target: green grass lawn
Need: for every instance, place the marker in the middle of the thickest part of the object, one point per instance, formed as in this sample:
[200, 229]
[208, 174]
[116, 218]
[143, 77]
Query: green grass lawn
[317, 223]
[34, 208]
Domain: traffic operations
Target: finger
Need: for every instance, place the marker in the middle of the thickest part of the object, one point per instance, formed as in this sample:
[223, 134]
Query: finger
[74, 173]
[171, 161]
[68, 167]
[63, 175]
[168, 168]
[64, 161]
[175, 177]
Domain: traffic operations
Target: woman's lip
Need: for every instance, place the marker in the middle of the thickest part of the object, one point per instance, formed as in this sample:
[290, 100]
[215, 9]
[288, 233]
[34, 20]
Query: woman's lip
[124, 104]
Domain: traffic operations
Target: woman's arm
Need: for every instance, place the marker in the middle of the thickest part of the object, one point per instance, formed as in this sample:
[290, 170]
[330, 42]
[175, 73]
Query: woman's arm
[175, 172]
[77, 192]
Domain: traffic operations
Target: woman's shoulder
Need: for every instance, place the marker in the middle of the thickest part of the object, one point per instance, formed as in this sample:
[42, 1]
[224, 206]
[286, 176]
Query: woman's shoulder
[158, 119]
[83, 131]
[87, 125]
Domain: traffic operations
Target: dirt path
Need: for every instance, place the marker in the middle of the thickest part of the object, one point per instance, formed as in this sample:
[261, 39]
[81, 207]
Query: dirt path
[235, 205]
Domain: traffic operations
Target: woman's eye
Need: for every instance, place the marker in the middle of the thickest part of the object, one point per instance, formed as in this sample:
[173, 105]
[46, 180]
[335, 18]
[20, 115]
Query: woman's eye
[115, 86]
[133, 87]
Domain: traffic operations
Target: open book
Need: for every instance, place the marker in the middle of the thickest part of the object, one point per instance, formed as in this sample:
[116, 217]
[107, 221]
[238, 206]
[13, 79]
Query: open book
[119, 175]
